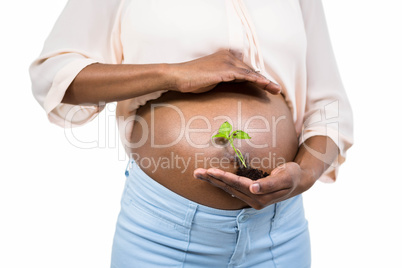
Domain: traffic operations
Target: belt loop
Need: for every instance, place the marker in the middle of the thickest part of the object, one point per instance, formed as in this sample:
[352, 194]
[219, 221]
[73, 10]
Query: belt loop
[192, 208]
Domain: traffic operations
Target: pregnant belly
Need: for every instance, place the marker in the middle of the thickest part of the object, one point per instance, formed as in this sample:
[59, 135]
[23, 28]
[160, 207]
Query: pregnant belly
[172, 137]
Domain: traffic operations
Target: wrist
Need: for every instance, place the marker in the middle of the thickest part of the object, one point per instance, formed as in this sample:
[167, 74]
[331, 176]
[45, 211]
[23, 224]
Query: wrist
[315, 155]
[170, 78]
[309, 177]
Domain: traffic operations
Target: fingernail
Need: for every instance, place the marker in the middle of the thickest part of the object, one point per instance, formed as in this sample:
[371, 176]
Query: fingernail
[277, 86]
[255, 188]
[273, 85]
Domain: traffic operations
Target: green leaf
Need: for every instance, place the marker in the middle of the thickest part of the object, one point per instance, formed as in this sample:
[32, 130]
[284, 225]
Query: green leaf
[225, 129]
[225, 132]
[240, 134]
[219, 136]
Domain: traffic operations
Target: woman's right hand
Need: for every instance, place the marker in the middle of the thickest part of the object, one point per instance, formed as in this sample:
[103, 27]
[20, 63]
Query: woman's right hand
[205, 73]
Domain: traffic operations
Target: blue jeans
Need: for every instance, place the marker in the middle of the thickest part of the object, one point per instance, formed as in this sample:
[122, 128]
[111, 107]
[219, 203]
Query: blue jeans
[159, 228]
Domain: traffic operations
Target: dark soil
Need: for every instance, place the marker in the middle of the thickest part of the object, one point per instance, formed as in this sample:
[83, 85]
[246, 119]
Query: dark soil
[251, 173]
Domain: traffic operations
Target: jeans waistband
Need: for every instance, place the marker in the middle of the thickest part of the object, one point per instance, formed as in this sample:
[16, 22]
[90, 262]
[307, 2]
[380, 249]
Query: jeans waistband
[157, 195]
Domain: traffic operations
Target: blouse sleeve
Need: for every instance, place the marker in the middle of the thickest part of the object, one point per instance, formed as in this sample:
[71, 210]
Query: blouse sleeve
[85, 33]
[328, 112]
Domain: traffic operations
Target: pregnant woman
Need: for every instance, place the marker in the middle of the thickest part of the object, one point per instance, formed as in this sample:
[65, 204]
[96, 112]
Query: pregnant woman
[178, 69]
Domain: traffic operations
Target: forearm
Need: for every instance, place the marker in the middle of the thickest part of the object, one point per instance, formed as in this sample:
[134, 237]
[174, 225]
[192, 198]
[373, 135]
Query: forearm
[103, 83]
[115, 82]
[314, 157]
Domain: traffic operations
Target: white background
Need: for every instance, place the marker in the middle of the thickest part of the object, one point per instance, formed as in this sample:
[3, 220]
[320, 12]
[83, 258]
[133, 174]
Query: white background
[59, 203]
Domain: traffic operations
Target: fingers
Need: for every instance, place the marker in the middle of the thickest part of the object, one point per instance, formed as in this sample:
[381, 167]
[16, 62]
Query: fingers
[268, 185]
[262, 82]
[284, 182]
[201, 75]
[284, 177]
[237, 182]
[271, 185]
[273, 88]
[246, 73]
[238, 187]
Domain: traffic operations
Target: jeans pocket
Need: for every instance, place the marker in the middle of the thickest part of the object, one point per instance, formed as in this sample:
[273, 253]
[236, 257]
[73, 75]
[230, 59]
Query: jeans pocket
[146, 240]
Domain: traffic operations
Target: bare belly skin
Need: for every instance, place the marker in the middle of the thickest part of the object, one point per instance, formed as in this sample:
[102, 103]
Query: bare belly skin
[174, 138]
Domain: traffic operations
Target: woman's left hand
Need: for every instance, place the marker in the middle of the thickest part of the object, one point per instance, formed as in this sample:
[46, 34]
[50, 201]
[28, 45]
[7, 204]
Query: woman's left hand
[284, 182]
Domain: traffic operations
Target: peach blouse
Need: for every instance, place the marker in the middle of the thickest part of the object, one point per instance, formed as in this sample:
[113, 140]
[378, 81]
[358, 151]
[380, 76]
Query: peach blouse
[285, 40]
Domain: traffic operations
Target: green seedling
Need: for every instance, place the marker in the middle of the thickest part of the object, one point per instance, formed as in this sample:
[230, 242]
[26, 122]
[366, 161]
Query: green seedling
[225, 131]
